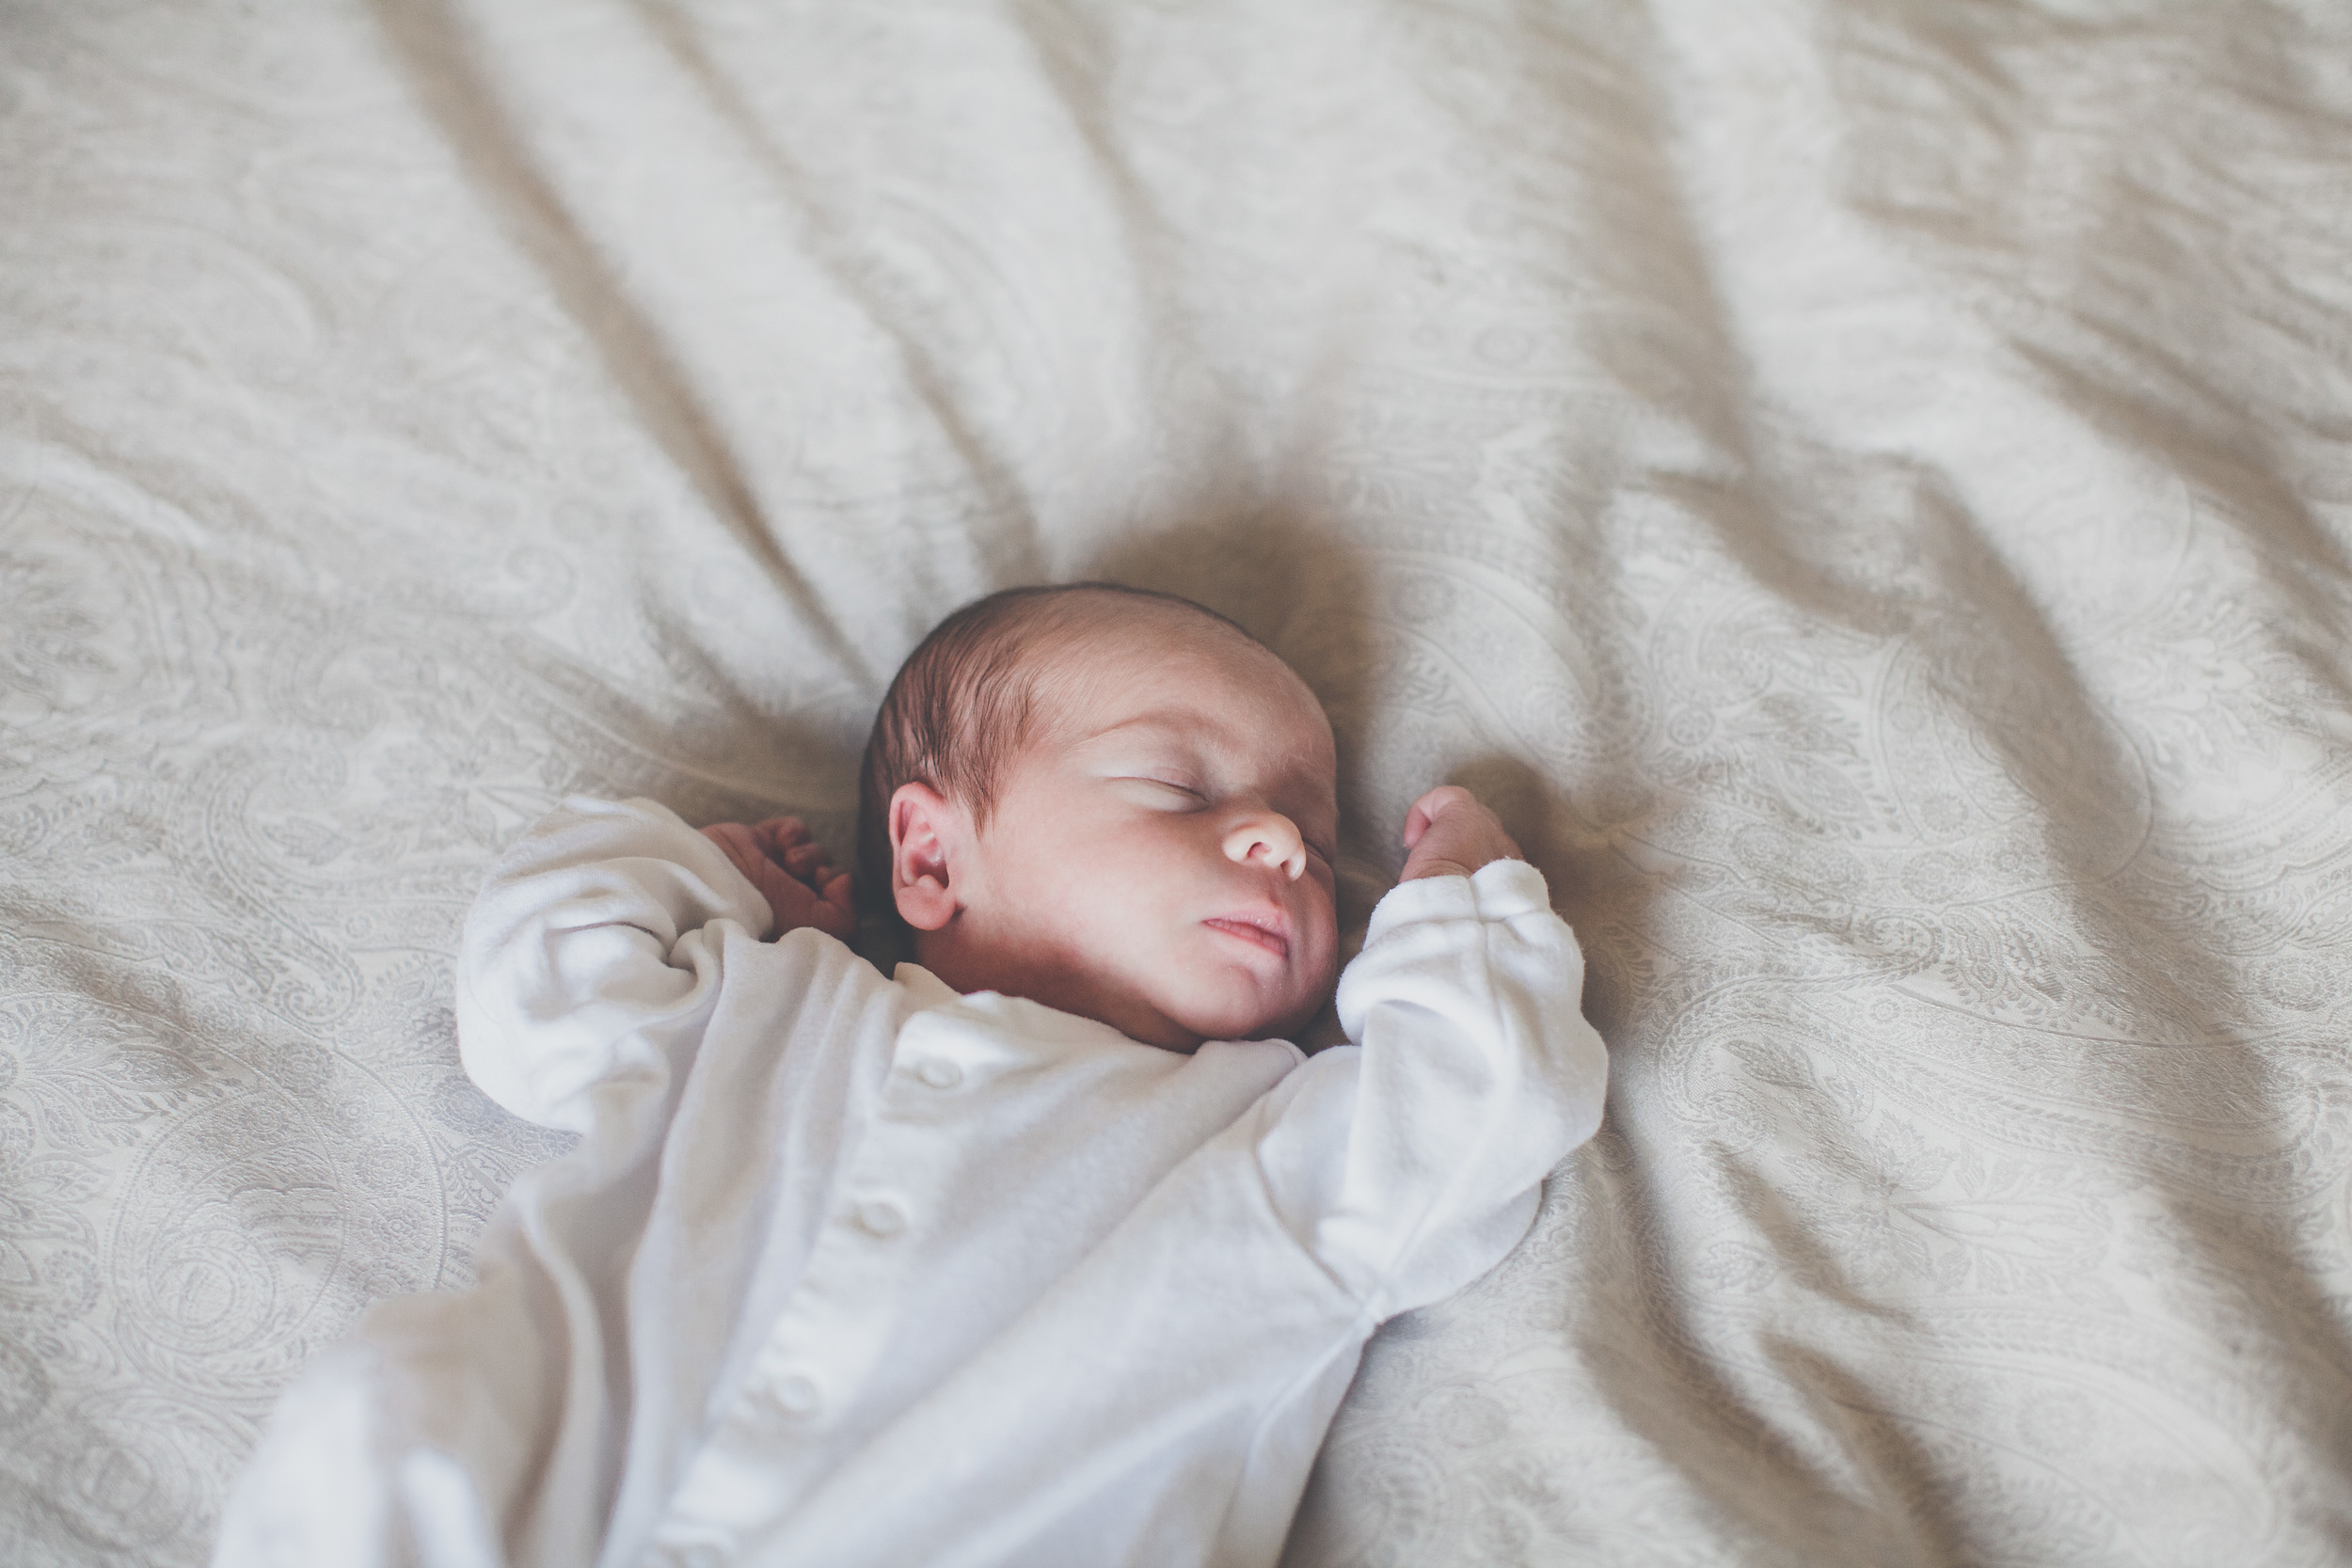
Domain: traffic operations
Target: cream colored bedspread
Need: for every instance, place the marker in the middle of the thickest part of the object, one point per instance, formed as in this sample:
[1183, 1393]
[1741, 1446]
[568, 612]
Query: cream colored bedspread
[1864, 486]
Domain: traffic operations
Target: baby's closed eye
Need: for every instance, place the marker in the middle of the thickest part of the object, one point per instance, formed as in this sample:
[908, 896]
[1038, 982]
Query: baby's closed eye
[1166, 792]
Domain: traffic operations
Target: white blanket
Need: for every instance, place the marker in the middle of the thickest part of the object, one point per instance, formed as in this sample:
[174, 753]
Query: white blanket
[1865, 487]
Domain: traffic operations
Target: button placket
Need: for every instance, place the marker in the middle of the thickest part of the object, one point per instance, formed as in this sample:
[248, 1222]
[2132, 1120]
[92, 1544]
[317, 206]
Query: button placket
[828, 1335]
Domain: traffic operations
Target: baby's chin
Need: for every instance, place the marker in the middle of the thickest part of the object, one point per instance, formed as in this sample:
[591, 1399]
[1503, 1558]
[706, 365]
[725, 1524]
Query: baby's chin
[1248, 1022]
[1226, 1002]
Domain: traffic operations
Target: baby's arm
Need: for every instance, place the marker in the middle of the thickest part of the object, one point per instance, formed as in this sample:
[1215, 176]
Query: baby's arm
[792, 871]
[592, 956]
[1409, 1165]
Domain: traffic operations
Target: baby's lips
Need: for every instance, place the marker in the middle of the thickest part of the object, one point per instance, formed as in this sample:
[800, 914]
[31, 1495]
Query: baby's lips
[1269, 929]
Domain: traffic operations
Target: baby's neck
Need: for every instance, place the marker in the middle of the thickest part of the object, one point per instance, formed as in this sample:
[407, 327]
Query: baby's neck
[1064, 986]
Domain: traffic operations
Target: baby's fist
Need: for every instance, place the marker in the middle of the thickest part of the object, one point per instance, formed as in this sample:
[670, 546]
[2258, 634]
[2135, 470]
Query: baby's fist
[792, 872]
[1450, 834]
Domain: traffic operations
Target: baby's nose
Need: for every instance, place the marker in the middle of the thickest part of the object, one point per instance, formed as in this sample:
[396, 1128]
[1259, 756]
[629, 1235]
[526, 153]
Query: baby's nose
[1270, 837]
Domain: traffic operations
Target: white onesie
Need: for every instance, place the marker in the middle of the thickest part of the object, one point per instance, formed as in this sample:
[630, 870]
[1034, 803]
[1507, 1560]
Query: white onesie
[851, 1271]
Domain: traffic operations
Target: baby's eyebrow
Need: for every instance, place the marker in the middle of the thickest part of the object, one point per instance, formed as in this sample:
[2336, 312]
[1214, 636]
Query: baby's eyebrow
[1122, 725]
[1142, 721]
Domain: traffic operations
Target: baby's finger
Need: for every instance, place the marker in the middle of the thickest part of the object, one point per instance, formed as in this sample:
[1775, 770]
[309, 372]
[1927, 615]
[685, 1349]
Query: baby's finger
[791, 901]
[779, 833]
[805, 859]
[736, 841]
[836, 912]
[1432, 805]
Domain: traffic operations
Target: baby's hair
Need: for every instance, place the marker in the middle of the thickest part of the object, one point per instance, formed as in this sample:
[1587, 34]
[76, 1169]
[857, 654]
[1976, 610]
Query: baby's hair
[964, 706]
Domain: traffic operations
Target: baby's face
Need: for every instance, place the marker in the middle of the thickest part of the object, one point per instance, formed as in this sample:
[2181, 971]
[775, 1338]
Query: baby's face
[1160, 856]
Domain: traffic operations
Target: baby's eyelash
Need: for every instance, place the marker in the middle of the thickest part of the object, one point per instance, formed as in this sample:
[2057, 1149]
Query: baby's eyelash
[1165, 783]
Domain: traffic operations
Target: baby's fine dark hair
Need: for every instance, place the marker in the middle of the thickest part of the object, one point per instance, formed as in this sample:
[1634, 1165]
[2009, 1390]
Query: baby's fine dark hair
[963, 705]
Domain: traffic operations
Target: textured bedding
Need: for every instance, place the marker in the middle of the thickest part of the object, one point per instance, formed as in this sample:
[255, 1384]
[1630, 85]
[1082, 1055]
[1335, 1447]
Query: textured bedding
[1866, 489]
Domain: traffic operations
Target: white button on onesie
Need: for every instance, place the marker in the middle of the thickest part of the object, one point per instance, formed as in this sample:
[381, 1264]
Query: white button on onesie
[848, 1271]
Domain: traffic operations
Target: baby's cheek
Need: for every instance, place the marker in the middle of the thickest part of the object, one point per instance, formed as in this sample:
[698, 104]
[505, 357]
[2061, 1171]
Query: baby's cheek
[1327, 920]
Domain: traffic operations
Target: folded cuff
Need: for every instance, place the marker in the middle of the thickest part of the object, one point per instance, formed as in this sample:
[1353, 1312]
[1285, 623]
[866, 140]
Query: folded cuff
[1500, 890]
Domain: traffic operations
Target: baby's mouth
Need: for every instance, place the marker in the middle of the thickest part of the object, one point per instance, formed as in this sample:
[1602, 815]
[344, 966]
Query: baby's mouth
[1264, 932]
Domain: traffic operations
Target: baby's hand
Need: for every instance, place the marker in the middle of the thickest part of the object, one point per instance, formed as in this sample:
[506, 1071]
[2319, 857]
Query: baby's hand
[1450, 834]
[792, 871]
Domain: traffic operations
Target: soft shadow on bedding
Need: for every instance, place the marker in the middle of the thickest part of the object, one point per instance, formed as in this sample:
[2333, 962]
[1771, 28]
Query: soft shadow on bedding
[1966, 609]
[2061, 741]
[433, 49]
[927, 375]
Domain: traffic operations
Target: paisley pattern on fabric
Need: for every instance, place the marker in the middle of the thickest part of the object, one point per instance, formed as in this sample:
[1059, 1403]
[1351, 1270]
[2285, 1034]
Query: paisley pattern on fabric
[1865, 489]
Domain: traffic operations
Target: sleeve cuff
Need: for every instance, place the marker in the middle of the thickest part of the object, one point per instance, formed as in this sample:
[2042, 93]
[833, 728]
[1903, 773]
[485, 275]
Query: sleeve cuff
[1500, 890]
[699, 855]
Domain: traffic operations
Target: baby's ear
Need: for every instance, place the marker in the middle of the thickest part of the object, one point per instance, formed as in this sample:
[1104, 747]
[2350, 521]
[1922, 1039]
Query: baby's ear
[926, 832]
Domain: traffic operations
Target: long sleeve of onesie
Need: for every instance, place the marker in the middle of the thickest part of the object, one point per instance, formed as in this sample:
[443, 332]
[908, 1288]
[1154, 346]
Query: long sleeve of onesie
[1410, 1164]
[586, 966]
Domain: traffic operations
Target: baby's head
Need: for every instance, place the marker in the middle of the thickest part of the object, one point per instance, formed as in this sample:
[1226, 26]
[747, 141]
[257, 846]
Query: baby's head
[1114, 802]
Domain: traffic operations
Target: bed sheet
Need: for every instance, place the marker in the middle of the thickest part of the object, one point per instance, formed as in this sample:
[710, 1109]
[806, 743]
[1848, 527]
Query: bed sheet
[1865, 487]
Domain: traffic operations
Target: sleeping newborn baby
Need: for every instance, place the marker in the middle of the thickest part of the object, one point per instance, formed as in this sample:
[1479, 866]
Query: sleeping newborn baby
[1049, 1249]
